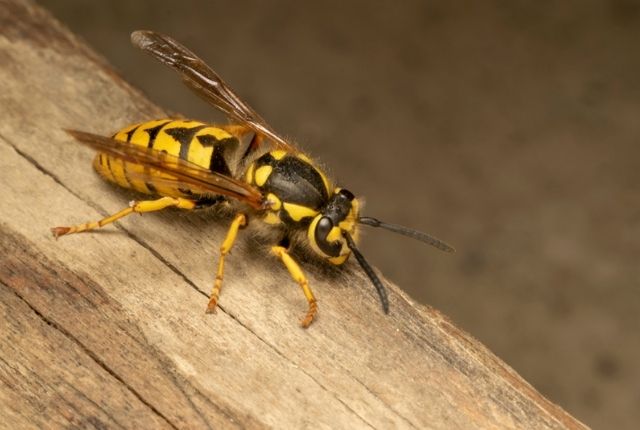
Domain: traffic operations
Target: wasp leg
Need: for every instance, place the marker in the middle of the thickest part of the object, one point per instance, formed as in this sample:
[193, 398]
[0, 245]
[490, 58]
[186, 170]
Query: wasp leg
[239, 221]
[298, 276]
[134, 207]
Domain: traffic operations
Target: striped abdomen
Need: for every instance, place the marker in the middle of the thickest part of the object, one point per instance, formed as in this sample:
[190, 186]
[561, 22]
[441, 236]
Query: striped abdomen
[202, 144]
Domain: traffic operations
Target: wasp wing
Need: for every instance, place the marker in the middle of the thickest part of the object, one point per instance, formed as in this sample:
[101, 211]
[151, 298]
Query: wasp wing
[186, 174]
[205, 82]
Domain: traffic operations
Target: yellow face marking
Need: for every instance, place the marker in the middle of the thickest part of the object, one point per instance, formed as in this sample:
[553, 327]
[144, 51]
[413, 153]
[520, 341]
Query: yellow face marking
[355, 208]
[276, 204]
[278, 154]
[262, 174]
[272, 218]
[339, 260]
[249, 176]
[297, 212]
[334, 234]
[311, 234]
[349, 223]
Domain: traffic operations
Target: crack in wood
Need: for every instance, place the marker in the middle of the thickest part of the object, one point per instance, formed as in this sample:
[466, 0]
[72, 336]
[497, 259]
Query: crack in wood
[96, 359]
[391, 408]
[293, 363]
[15, 250]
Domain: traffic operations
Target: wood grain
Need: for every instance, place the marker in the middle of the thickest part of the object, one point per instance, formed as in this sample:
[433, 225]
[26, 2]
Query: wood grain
[108, 329]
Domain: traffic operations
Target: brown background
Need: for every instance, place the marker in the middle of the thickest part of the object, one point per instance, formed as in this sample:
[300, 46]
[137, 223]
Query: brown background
[509, 129]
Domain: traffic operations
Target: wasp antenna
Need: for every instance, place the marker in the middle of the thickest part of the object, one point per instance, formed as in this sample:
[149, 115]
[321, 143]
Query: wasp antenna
[409, 232]
[382, 292]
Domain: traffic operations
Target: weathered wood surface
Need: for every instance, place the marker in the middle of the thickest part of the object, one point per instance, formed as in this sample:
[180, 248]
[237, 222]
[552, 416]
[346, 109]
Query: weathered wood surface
[109, 330]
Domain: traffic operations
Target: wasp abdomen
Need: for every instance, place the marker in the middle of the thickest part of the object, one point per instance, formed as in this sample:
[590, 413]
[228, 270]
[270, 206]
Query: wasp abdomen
[199, 143]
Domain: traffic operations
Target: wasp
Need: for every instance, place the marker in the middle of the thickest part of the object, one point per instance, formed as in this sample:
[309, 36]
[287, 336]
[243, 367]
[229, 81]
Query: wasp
[245, 167]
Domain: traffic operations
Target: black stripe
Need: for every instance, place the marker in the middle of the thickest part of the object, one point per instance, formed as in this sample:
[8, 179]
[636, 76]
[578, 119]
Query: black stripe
[102, 164]
[185, 191]
[125, 174]
[151, 187]
[109, 167]
[218, 163]
[130, 132]
[208, 140]
[153, 133]
[184, 135]
[205, 201]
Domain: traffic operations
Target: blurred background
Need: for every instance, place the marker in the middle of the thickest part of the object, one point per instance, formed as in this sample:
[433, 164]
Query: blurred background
[508, 128]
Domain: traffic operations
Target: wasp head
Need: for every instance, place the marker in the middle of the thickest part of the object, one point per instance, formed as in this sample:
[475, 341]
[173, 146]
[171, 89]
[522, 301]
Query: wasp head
[328, 230]
[334, 231]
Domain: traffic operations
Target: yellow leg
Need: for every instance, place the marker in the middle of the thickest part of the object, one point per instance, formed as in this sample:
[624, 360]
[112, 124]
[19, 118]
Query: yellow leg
[239, 221]
[134, 207]
[298, 276]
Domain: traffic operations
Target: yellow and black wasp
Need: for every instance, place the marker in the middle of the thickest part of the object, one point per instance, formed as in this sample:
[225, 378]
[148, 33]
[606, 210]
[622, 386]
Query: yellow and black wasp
[245, 167]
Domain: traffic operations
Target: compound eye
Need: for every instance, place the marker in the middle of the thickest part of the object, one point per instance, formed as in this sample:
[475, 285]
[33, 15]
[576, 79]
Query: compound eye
[323, 229]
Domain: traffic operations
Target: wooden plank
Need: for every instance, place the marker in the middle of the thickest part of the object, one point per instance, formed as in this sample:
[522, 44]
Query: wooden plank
[49, 380]
[86, 319]
[129, 301]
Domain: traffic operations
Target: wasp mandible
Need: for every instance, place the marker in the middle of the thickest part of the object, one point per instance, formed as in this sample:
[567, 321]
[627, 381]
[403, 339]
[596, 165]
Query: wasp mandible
[245, 167]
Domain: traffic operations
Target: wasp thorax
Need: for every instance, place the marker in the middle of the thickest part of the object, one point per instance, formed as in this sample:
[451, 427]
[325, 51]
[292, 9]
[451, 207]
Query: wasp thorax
[295, 188]
[299, 196]
[326, 231]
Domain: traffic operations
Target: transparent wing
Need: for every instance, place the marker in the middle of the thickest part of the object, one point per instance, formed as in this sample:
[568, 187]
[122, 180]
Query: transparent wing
[186, 174]
[205, 82]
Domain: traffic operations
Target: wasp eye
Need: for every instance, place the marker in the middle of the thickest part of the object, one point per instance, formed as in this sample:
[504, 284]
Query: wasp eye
[323, 228]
